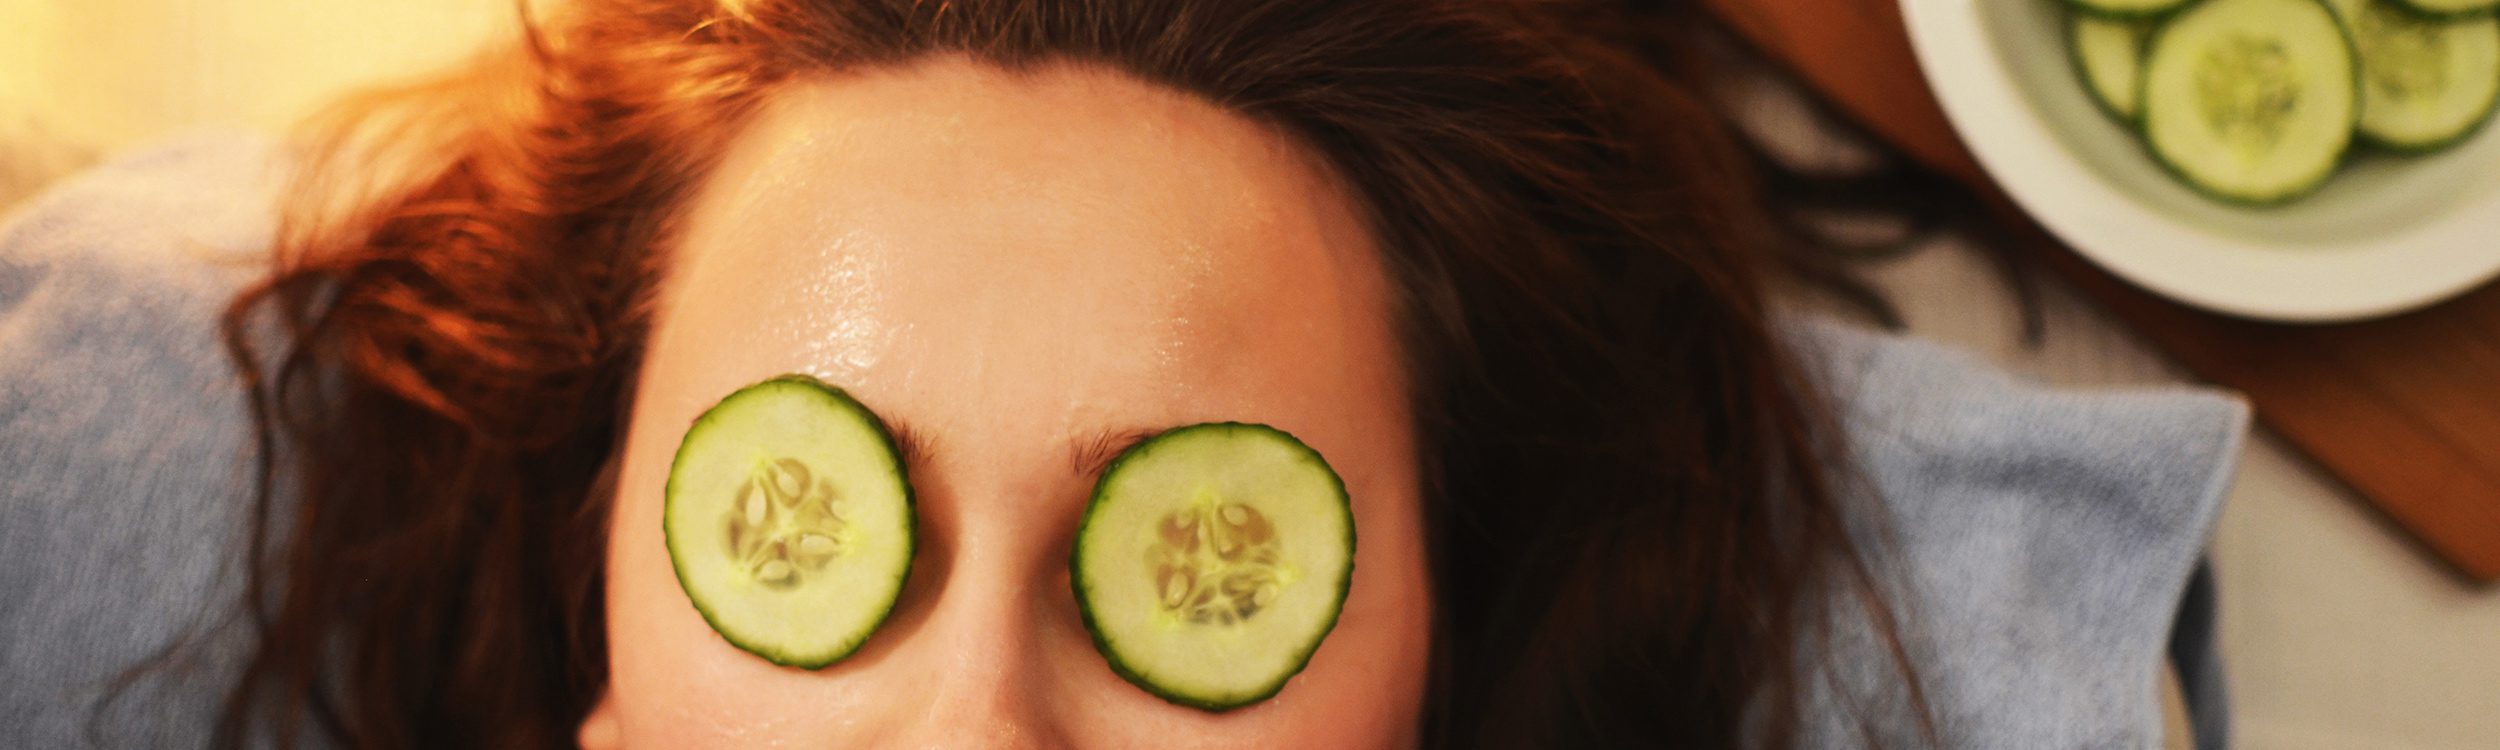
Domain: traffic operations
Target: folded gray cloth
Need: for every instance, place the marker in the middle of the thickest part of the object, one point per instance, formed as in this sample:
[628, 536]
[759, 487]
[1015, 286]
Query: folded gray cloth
[125, 446]
[2041, 538]
[2046, 537]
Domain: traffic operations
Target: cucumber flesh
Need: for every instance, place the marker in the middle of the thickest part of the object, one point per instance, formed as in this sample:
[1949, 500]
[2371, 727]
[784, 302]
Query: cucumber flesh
[2425, 82]
[2126, 8]
[789, 520]
[2452, 7]
[1212, 561]
[2251, 101]
[2109, 53]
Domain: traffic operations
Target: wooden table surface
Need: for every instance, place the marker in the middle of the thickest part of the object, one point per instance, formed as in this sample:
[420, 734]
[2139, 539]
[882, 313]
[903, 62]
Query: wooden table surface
[2404, 410]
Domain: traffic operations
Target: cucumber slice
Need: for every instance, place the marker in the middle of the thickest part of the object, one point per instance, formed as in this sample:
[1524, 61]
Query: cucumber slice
[789, 520]
[1212, 561]
[2251, 101]
[2110, 56]
[2425, 82]
[2126, 8]
[2452, 7]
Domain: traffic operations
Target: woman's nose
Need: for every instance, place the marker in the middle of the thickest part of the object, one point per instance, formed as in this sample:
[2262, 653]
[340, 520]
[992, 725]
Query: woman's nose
[976, 673]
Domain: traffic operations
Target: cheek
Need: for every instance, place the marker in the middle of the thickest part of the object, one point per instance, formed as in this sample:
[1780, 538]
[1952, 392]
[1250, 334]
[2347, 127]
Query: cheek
[1370, 674]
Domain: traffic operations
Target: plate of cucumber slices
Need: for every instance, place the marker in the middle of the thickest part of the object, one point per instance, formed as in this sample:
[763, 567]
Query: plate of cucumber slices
[2297, 160]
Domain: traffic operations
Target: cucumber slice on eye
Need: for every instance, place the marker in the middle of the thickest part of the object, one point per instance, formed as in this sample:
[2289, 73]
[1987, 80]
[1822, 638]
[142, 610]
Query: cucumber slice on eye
[2110, 56]
[2251, 101]
[1212, 561]
[789, 521]
[2425, 82]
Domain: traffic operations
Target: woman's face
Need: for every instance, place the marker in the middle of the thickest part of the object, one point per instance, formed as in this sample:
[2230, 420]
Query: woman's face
[1009, 267]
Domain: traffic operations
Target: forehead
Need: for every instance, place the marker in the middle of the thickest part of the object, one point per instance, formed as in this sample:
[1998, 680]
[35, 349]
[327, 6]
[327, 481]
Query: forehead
[949, 235]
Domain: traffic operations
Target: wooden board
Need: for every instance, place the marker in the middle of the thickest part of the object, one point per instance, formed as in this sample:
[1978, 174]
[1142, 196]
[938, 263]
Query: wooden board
[2404, 410]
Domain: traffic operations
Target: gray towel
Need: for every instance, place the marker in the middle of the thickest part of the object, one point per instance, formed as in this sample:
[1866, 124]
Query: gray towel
[2041, 537]
[2046, 537]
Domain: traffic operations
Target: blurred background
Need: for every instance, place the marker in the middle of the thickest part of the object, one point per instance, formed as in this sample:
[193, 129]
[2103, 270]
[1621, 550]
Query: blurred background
[2339, 630]
[84, 78]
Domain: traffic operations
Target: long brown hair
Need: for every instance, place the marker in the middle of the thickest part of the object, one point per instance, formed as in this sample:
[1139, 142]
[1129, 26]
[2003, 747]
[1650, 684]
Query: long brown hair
[1626, 487]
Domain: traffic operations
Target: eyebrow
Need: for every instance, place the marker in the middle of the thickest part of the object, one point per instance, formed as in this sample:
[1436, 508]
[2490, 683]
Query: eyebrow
[1090, 457]
[915, 448]
[1087, 457]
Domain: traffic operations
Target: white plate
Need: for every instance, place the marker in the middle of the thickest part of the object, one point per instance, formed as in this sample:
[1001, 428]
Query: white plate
[2386, 234]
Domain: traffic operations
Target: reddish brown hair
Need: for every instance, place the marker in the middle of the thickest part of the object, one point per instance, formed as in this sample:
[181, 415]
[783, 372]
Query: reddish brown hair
[1628, 520]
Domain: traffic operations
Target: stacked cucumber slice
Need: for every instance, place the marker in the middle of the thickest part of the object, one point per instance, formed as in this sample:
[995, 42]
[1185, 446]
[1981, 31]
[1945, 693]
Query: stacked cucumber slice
[2127, 8]
[2251, 100]
[2258, 101]
[2454, 7]
[2425, 81]
[2110, 54]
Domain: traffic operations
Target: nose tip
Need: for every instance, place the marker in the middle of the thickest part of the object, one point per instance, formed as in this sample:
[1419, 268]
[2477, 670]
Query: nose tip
[979, 674]
[981, 704]
[983, 734]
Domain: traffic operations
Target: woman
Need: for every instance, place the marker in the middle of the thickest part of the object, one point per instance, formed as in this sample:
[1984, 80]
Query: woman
[1485, 258]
